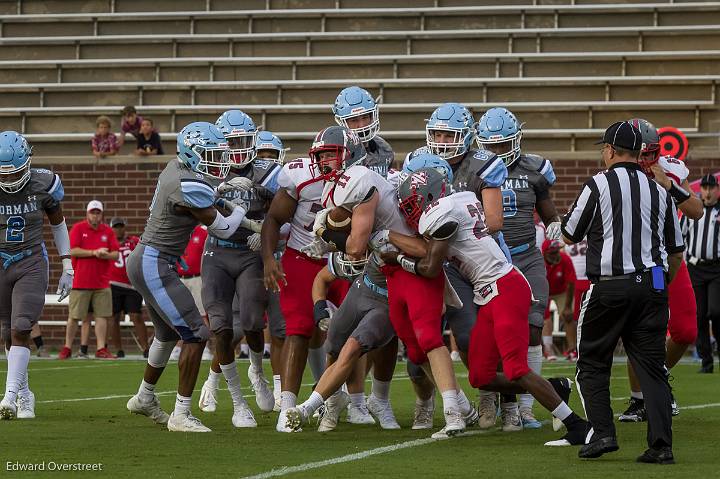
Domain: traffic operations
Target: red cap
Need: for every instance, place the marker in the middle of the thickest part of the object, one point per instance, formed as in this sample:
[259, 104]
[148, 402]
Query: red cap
[551, 245]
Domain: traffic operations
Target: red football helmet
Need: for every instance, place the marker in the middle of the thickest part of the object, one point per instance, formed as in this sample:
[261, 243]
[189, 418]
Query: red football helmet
[650, 153]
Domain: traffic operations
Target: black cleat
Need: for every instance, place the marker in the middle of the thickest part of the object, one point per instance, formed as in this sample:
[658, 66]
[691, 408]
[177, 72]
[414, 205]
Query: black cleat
[562, 387]
[706, 369]
[662, 455]
[598, 447]
[635, 411]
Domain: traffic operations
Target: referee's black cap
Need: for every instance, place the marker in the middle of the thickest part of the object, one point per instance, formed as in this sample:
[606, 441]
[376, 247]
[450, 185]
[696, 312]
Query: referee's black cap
[623, 135]
[709, 180]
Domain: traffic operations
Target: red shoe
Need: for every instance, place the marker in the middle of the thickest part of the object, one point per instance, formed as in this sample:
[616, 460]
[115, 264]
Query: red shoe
[65, 353]
[572, 355]
[103, 353]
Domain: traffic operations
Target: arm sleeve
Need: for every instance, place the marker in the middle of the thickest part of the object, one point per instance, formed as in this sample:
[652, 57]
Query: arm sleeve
[673, 235]
[546, 180]
[493, 172]
[196, 194]
[576, 223]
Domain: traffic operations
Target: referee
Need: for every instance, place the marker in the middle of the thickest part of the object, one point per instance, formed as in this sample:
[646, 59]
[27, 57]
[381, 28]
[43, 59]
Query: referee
[634, 241]
[702, 238]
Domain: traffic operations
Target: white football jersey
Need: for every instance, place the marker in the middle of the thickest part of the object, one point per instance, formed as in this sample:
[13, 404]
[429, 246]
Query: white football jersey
[675, 169]
[475, 253]
[297, 179]
[355, 186]
[578, 255]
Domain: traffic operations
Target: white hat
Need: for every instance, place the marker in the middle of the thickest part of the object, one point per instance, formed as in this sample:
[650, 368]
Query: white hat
[94, 205]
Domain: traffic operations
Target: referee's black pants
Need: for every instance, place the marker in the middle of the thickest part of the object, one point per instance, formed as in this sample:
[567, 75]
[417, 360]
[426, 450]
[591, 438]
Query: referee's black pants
[705, 278]
[627, 309]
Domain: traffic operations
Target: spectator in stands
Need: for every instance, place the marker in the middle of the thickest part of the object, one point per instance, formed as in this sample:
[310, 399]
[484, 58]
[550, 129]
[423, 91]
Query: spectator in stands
[131, 123]
[125, 300]
[104, 143]
[93, 248]
[561, 279]
[148, 141]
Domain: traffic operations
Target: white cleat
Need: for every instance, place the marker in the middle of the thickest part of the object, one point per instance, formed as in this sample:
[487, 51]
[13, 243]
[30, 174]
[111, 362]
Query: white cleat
[487, 409]
[382, 411]
[8, 409]
[359, 415]
[510, 418]
[26, 406]
[243, 416]
[284, 422]
[424, 416]
[454, 422]
[208, 398]
[295, 417]
[150, 409]
[334, 405]
[263, 396]
[185, 423]
[175, 354]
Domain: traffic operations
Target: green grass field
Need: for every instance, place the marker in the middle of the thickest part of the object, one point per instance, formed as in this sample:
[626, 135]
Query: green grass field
[81, 418]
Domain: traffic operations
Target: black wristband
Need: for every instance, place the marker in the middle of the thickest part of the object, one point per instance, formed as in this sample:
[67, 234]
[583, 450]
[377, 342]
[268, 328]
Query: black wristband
[320, 310]
[678, 194]
[336, 238]
[407, 263]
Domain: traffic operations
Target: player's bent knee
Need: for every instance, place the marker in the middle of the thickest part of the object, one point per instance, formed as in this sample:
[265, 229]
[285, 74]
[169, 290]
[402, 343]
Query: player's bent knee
[160, 352]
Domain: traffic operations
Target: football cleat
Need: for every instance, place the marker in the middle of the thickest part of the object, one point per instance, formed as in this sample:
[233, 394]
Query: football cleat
[65, 353]
[635, 411]
[487, 409]
[454, 423]
[243, 416]
[150, 409]
[510, 418]
[674, 405]
[208, 398]
[382, 411]
[284, 422]
[263, 396]
[185, 423]
[528, 419]
[26, 406]
[359, 415]
[423, 418]
[295, 418]
[334, 405]
[575, 436]
[472, 417]
[563, 388]
[8, 409]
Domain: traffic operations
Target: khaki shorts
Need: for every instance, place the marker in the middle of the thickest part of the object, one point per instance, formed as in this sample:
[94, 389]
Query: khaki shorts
[561, 301]
[194, 284]
[81, 299]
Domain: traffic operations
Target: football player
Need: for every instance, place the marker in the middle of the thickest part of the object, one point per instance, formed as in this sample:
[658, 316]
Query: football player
[297, 201]
[184, 197]
[454, 228]
[672, 175]
[526, 188]
[27, 195]
[232, 270]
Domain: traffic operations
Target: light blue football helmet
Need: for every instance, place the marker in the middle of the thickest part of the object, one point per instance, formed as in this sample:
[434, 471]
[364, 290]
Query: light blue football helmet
[202, 147]
[240, 131]
[454, 118]
[423, 160]
[266, 140]
[15, 154]
[497, 126]
[352, 102]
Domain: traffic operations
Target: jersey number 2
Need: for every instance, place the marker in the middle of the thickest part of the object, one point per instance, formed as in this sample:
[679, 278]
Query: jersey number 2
[15, 228]
[509, 200]
[476, 211]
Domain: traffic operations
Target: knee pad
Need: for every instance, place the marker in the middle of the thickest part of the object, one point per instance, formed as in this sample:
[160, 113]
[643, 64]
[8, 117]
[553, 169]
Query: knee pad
[160, 352]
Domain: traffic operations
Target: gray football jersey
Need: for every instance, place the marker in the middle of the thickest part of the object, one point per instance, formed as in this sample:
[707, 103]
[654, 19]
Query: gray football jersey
[264, 174]
[529, 180]
[168, 229]
[380, 156]
[372, 270]
[479, 169]
[22, 213]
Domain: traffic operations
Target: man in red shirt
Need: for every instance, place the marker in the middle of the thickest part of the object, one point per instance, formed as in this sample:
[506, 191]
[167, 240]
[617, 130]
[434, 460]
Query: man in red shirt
[561, 279]
[125, 299]
[93, 248]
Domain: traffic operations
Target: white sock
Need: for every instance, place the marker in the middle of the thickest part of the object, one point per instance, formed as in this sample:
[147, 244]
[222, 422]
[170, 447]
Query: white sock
[562, 411]
[381, 389]
[535, 362]
[508, 406]
[357, 399]
[244, 348]
[548, 343]
[316, 361]
[146, 391]
[17, 358]
[266, 349]
[450, 400]
[233, 381]
[313, 403]
[463, 402]
[287, 400]
[25, 387]
[256, 360]
[214, 378]
[344, 388]
[423, 402]
[277, 387]
[182, 404]
[637, 395]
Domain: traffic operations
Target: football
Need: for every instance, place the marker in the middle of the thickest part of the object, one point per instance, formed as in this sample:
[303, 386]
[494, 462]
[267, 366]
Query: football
[339, 219]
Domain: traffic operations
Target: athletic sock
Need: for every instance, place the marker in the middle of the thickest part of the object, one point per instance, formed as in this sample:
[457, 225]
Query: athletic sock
[424, 402]
[277, 386]
[463, 402]
[450, 400]
[83, 349]
[25, 387]
[38, 342]
[637, 395]
[313, 403]
[381, 389]
[535, 362]
[182, 404]
[548, 343]
[562, 411]
[266, 349]
[18, 358]
[316, 361]
[288, 400]
[357, 399]
[244, 348]
[256, 360]
[214, 378]
[146, 391]
[233, 381]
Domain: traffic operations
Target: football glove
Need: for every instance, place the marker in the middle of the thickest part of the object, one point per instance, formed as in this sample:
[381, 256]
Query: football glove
[239, 183]
[253, 225]
[320, 223]
[322, 314]
[317, 249]
[253, 242]
[66, 280]
[553, 232]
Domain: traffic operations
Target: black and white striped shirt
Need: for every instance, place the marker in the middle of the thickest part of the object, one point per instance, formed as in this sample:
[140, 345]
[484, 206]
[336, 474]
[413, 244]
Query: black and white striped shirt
[630, 222]
[702, 237]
